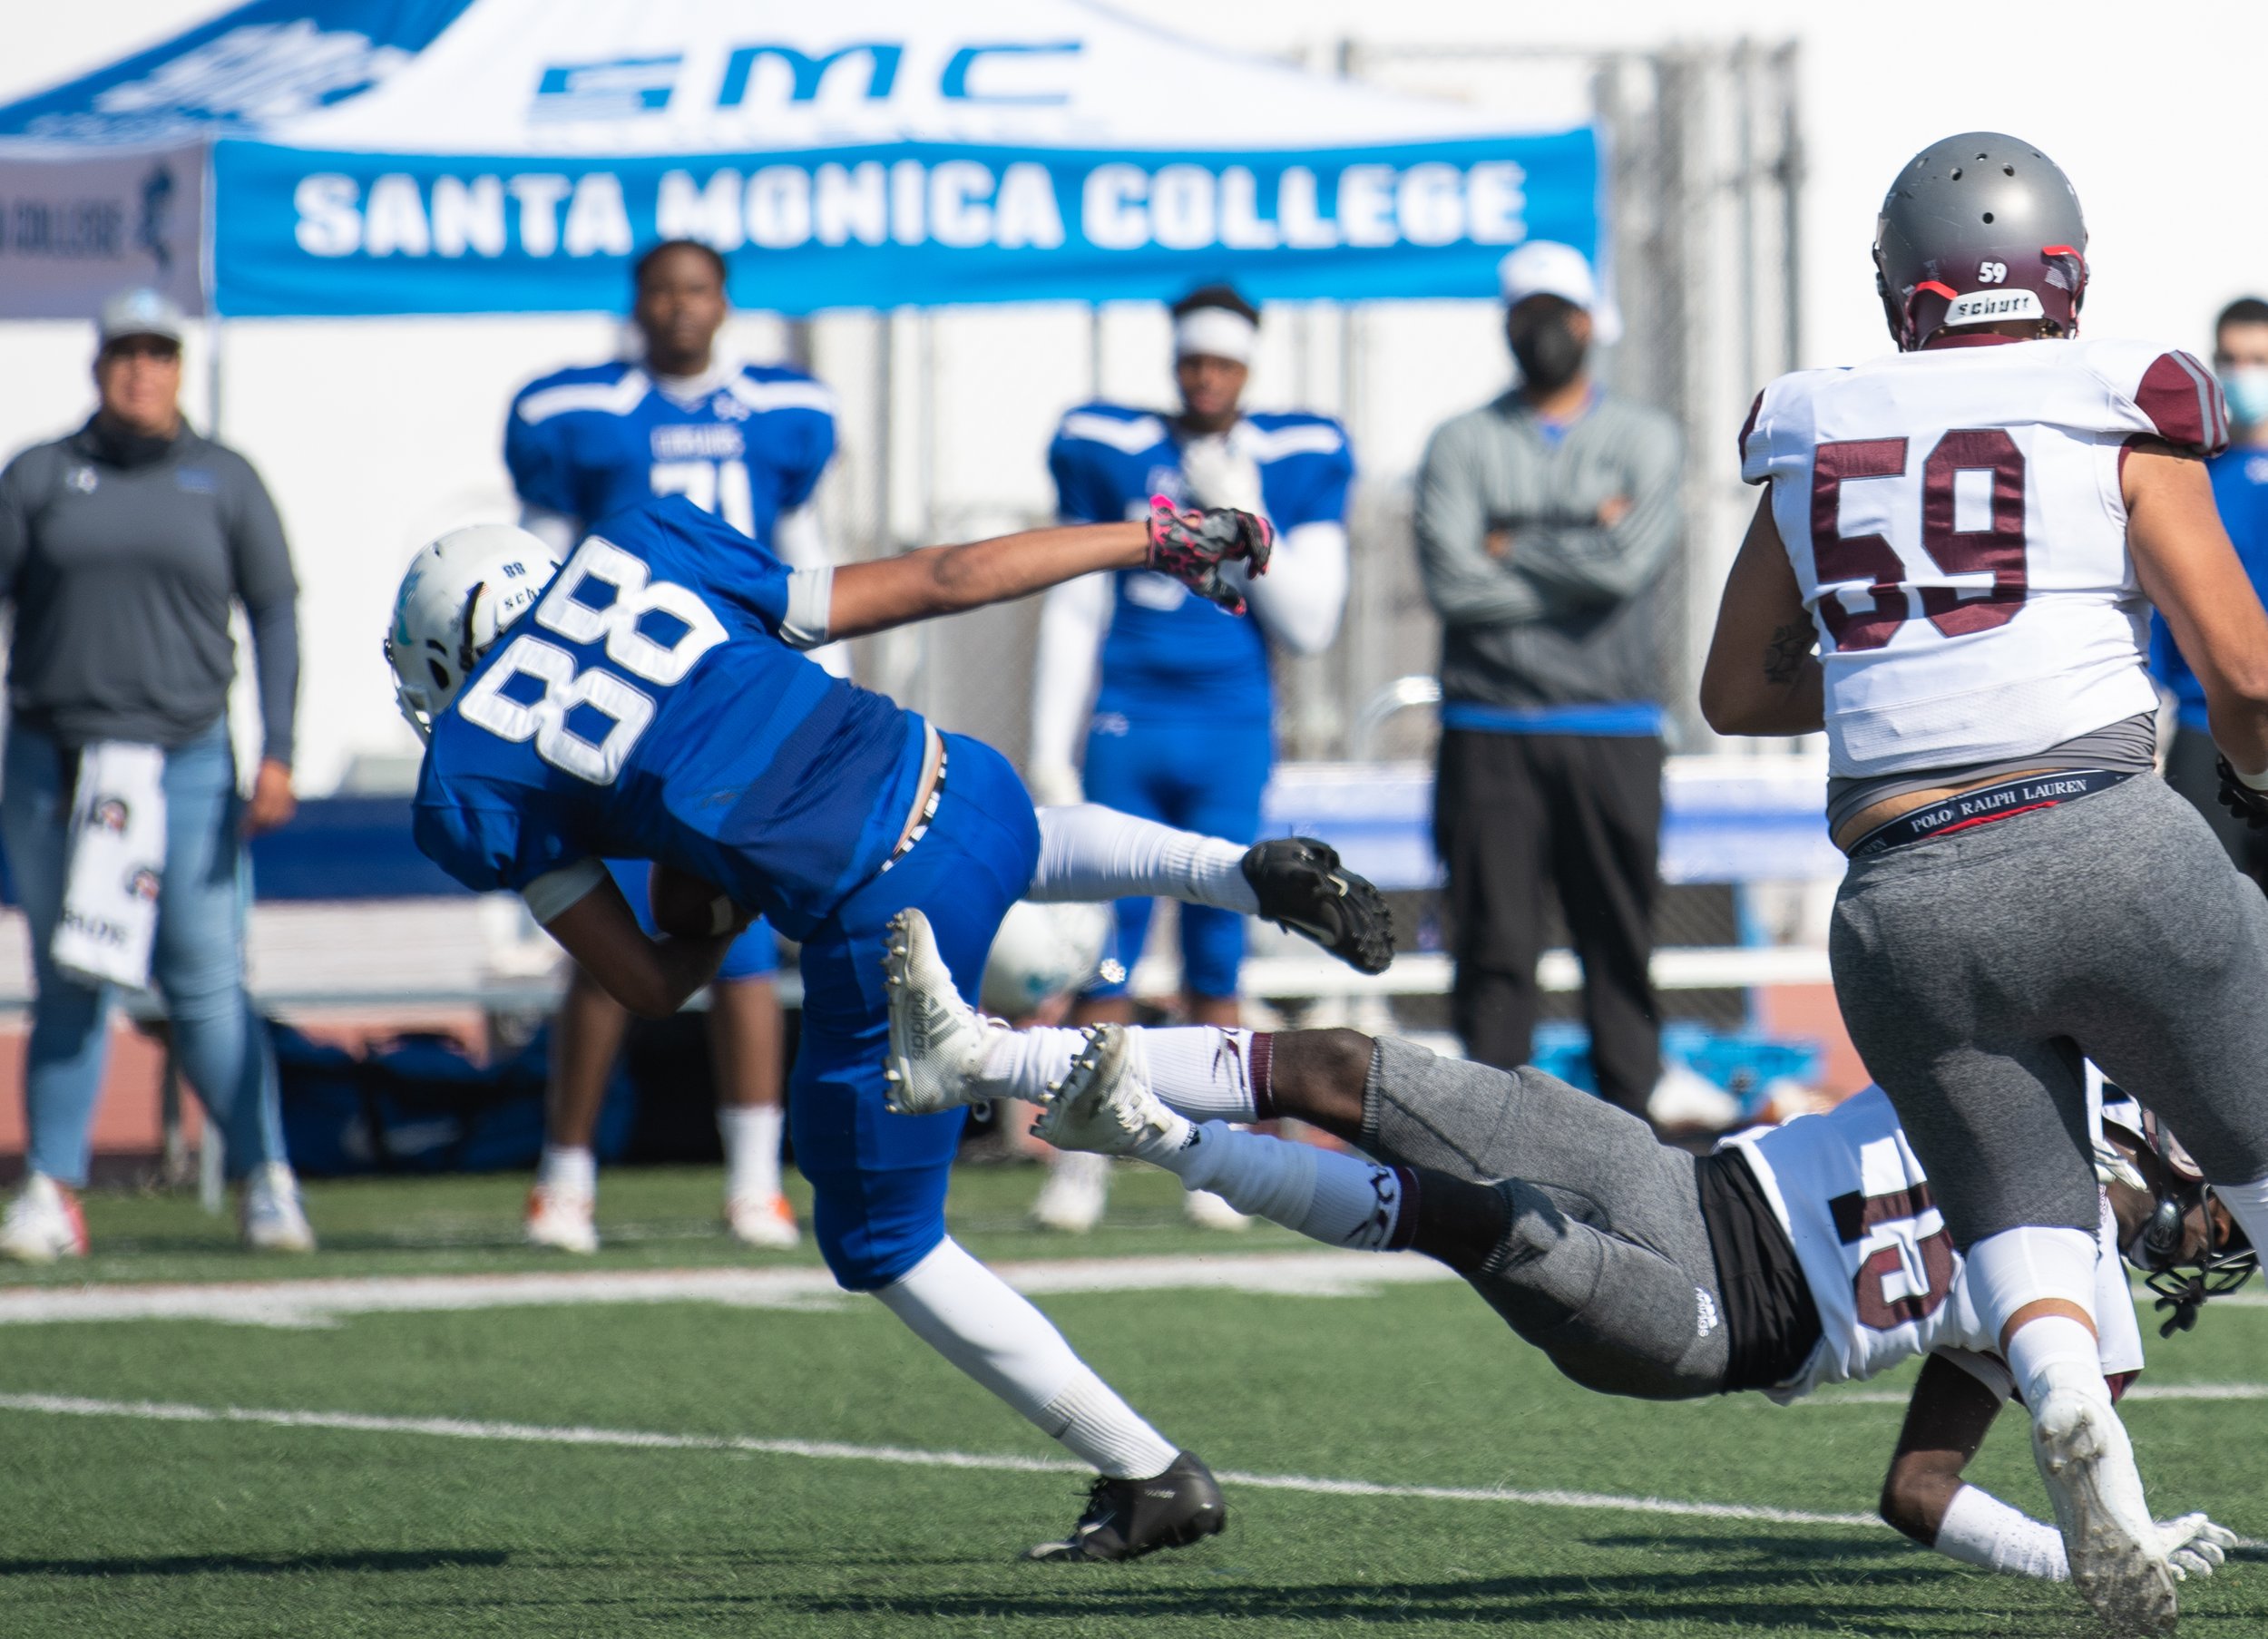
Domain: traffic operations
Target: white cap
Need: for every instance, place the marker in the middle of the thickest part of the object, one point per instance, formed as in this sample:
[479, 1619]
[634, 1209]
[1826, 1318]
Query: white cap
[140, 312]
[1545, 267]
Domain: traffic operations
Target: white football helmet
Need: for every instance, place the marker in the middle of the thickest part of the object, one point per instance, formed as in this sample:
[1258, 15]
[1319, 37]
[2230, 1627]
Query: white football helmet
[1039, 953]
[460, 593]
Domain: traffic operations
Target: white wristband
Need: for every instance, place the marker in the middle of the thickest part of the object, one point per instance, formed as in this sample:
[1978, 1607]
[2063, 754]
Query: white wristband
[2250, 782]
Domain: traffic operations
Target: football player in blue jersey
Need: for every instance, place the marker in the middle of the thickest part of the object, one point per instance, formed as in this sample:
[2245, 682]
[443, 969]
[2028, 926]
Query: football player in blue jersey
[1172, 692]
[648, 701]
[747, 442]
[2240, 493]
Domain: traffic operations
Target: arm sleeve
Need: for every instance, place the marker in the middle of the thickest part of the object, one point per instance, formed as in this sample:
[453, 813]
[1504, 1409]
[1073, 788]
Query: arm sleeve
[553, 893]
[261, 562]
[1074, 618]
[1092, 852]
[1465, 586]
[1589, 564]
[1301, 597]
[801, 543]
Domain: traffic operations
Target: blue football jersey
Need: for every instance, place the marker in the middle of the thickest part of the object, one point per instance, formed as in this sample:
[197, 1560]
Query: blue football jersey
[1168, 649]
[648, 708]
[2240, 492]
[595, 441]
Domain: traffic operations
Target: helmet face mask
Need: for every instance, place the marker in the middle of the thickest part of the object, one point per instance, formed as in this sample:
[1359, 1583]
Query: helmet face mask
[1980, 230]
[459, 595]
[2184, 1282]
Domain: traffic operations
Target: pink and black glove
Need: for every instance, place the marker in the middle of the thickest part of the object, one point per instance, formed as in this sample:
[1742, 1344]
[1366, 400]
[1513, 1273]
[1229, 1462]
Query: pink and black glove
[1192, 546]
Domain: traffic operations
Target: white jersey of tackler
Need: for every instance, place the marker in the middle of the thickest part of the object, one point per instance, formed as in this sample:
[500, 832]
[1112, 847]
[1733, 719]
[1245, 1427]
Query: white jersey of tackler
[1955, 520]
[1883, 1274]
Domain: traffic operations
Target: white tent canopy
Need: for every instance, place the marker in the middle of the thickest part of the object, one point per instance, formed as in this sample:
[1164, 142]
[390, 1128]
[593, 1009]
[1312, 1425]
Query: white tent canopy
[336, 157]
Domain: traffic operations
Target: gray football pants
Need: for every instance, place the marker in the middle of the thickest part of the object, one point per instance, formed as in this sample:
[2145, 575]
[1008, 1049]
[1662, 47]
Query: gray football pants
[1974, 971]
[1606, 1264]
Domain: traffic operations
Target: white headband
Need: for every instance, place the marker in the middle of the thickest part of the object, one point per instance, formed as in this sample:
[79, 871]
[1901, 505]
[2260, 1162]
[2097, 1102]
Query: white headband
[1216, 332]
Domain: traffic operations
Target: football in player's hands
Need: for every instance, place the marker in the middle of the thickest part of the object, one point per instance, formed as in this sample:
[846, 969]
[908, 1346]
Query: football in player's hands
[686, 907]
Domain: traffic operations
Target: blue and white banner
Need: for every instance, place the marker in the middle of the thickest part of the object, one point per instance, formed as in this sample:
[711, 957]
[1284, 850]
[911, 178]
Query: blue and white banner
[303, 232]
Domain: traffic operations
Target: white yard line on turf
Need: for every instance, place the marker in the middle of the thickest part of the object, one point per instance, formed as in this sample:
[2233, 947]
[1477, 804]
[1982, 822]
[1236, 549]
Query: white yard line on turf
[449, 1428]
[1885, 1397]
[323, 1302]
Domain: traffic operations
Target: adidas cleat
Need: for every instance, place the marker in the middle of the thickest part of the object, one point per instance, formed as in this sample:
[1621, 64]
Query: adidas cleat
[1126, 1518]
[2117, 1552]
[1302, 886]
[936, 1039]
[1103, 1107]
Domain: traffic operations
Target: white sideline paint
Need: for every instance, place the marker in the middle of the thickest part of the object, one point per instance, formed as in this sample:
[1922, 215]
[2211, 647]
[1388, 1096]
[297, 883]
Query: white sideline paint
[305, 1304]
[449, 1428]
[1881, 1397]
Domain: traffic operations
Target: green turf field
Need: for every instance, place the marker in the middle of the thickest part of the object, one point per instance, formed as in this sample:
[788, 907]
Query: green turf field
[142, 1523]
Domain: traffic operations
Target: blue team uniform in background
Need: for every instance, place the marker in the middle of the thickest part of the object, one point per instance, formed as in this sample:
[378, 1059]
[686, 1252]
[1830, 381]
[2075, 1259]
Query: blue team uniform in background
[2239, 491]
[1184, 723]
[648, 709]
[596, 439]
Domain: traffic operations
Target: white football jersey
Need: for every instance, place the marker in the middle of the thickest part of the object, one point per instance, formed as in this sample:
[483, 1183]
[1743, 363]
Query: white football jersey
[1955, 520]
[1881, 1264]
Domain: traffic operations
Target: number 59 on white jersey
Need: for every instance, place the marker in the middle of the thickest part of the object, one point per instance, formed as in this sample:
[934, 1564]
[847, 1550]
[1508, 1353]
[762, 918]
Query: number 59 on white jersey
[1955, 520]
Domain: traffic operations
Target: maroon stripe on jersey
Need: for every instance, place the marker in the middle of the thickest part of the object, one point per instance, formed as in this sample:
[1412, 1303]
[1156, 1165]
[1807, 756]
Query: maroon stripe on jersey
[1262, 1068]
[1747, 428]
[1855, 1215]
[2183, 403]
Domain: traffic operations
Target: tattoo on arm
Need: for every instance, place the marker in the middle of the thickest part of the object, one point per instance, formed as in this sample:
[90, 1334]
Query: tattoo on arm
[1785, 655]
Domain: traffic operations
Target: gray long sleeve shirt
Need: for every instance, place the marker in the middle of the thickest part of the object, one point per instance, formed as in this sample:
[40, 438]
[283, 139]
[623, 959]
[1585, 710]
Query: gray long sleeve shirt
[1562, 612]
[121, 569]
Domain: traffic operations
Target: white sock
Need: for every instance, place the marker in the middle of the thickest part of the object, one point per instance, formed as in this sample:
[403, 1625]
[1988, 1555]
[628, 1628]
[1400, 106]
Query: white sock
[2248, 1204]
[2055, 1351]
[975, 1320]
[1091, 852]
[2021, 1266]
[1024, 1064]
[1981, 1530]
[1202, 1072]
[1327, 1195]
[568, 1170]
[751, 1136]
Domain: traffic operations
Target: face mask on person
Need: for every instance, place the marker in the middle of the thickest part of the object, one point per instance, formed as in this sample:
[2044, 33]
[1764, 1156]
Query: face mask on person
[2246, 388]
[1549, 351]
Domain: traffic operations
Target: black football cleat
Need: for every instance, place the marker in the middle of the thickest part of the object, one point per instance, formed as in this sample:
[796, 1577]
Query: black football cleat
[1126, 1518]
[1302, 886]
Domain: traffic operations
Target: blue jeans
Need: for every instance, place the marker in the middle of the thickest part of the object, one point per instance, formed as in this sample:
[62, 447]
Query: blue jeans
[878, 1180]
[198, 963]
[1206, 777]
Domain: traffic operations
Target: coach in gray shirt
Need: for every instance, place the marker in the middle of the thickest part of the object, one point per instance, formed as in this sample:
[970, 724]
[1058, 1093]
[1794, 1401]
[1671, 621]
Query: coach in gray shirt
[1544, 520]
[122, 548]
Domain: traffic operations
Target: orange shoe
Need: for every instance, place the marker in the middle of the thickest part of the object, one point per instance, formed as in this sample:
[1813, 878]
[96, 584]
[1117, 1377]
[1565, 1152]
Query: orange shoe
[559, 1219]
[765, 1221]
